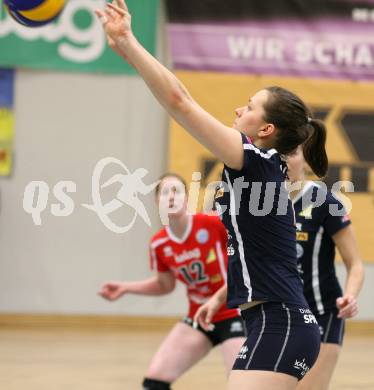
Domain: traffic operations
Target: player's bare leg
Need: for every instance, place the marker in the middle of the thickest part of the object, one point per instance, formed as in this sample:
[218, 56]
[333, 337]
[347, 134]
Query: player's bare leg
[260, 380]
[318, 378]
[180, 350]
[230, 349]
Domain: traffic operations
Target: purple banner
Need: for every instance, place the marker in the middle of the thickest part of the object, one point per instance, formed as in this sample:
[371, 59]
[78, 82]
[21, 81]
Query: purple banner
[326, 48]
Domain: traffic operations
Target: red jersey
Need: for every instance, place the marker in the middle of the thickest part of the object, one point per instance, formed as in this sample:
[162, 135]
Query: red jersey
[198, 259]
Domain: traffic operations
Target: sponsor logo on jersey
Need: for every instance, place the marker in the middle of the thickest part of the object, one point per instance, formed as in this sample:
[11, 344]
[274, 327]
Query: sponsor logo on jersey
[188, 255]
[299, 250]
[236, 327]
[219, 193]
[299, 226]
[306, 213]
[302, 236]
[168, 251]
[243, 352]
[211, 258]
[202, 236]
[310, 319]
[216, 278]
[230, 250]
[301, 366]
[305, 311]
[308, 316]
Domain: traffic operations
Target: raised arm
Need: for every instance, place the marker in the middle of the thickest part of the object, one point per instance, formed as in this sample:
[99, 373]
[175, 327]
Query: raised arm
[162, 283]
[224, 142]
[345, 241]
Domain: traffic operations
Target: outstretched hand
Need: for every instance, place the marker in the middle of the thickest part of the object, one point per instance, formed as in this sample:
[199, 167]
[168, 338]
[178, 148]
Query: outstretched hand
[116, 21]
[112, 290]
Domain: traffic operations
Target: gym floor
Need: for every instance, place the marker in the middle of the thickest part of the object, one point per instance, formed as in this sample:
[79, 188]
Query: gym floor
[105, 359]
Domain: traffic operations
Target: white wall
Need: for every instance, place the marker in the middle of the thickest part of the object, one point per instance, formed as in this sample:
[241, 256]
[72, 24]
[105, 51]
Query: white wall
[365, 301]
[65, 123]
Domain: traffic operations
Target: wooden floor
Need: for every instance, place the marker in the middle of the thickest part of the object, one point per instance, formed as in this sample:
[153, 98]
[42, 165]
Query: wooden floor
[76, 359]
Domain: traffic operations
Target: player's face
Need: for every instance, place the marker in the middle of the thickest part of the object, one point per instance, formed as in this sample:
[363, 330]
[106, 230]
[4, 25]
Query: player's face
[296, 164]
[250, 118]
[172, 196]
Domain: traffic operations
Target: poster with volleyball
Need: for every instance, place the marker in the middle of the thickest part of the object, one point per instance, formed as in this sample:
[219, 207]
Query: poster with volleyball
[321, 49]
[34, 13]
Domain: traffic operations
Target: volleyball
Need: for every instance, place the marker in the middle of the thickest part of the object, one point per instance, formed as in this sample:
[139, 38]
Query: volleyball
[34, 13]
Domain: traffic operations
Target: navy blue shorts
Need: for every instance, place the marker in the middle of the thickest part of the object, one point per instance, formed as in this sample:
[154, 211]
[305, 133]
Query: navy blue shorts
[281, 338]
[331, 328]
[223, 330]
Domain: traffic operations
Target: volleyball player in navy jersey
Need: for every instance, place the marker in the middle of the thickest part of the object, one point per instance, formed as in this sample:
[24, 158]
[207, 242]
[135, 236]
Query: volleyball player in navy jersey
[322, 227]
[263, 281]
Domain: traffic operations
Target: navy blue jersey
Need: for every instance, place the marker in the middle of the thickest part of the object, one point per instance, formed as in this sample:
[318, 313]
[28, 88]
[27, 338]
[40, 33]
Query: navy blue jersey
[315, 247]
[259, 218]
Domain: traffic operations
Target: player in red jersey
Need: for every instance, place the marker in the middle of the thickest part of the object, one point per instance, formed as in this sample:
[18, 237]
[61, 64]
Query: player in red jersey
[192, 249]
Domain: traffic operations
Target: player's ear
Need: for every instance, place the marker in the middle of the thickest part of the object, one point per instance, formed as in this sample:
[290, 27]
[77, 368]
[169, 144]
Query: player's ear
[266, 130]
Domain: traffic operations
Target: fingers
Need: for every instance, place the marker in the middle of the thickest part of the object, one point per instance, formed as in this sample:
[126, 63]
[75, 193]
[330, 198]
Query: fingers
[121, 4]
[113, 7]
[110, 290]
[102, 17]
[203, 324]
[343, 301]
[203, 318]
[199, 318]
[110, 296]
[209, 317]
[349, 310]
[339, 302]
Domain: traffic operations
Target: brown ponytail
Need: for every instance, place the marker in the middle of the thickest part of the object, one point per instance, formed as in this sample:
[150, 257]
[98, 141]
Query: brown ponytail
[291, 117]
[314, 148]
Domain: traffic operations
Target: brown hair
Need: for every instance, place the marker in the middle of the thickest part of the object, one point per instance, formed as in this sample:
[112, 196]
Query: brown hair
[170, 174]
[294, 124]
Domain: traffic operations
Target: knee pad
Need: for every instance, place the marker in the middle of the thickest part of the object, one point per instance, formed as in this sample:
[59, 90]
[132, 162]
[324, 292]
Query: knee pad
[154, 384]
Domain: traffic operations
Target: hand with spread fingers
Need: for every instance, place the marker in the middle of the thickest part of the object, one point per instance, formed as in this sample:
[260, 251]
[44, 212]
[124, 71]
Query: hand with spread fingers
[116, 22]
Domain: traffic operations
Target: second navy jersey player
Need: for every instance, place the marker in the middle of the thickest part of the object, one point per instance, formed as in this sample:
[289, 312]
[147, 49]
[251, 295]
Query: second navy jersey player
[315, 247]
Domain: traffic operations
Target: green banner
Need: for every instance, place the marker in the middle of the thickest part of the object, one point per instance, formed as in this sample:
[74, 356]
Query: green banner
[75, 41]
